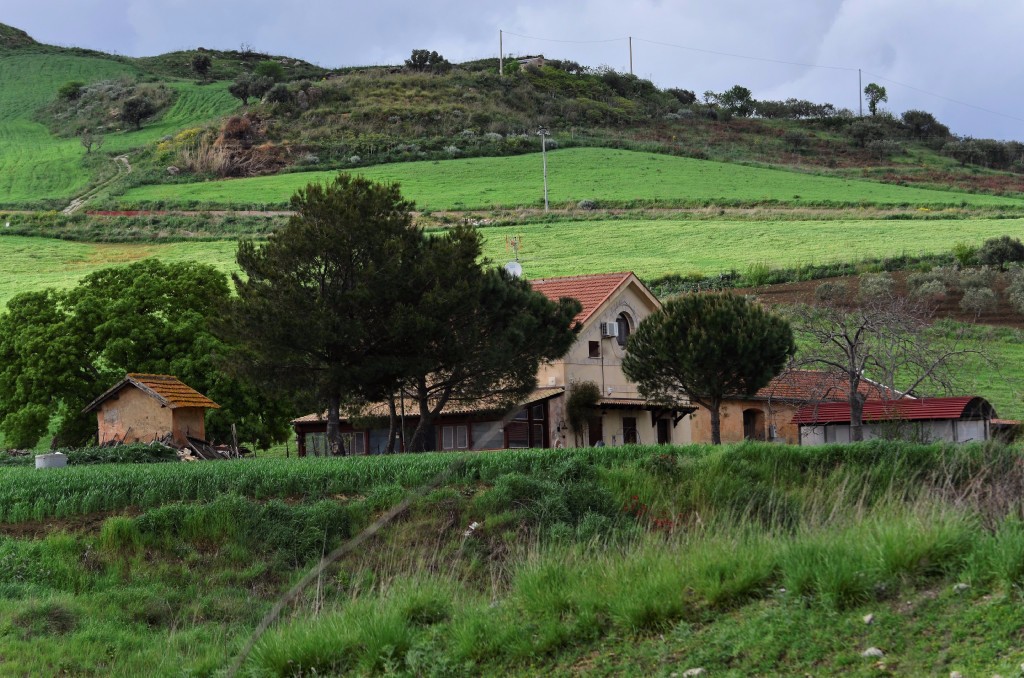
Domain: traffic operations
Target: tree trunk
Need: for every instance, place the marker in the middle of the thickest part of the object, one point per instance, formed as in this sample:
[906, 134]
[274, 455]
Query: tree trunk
[392, 426]
[716, 422]
[856, 417]
[335, 446]
[419, 436]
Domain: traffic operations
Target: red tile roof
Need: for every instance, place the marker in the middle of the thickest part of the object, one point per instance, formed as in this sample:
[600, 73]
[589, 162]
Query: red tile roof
[919, 409]
[590, 290]
[168, 390]
[818, 385]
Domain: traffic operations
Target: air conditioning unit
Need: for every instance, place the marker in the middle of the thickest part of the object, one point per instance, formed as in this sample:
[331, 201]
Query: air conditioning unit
[609, 330]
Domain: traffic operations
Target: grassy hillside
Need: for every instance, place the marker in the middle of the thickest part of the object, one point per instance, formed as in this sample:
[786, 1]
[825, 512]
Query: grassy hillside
[753, 559]
[34, 165]
[610, 177]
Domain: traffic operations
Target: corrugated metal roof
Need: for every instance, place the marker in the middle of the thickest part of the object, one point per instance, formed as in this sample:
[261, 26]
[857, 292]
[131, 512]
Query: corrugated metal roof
[166, 389]
[920, 409]
[412, 408]
[590, 290]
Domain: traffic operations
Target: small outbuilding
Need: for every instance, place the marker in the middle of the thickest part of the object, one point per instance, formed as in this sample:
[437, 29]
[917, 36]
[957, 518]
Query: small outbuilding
[952, 420]
[147, 407]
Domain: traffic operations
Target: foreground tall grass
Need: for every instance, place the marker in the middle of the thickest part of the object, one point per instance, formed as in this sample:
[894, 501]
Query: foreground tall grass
[751, 559]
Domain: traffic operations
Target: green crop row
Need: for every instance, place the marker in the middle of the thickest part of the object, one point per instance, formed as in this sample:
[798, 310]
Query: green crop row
[28, 494]
[609, 177]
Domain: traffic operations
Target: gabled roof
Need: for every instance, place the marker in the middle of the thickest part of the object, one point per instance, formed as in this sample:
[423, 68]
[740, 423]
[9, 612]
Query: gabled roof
[807, 386]
[453, 407]
[919, 409]
[167, 390]
[590, 290]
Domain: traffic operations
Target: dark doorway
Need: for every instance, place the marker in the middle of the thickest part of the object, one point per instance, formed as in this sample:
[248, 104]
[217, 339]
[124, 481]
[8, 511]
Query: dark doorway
[594, 431]
[664, 432]
[629, 432]
[753, 425]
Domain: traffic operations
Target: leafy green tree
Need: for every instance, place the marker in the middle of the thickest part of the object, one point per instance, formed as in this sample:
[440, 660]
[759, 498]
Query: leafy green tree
[737, 99]
[201, 64]
[240, 88]
[136, 109]
[61, 349]
[322, 305]
[423, 60]
[707, 347]
[876, 94]
[923, 125]
[481, 333]
[269, 69]
[1001, 251]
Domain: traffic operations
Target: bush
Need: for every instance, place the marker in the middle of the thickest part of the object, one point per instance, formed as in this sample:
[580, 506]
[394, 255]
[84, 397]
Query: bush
[978, 300]
[71, 90]
[965, 255]
[932, 290]
[875, 286]
[586, 205]
[269, 69]
[831, 292]
[279, 94]
[1001, 251]
[977, 278]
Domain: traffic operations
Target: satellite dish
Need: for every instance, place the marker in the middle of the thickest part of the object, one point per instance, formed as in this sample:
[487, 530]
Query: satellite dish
[514, 269]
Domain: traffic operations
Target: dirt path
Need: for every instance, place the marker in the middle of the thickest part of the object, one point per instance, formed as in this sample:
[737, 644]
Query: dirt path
[124, 168]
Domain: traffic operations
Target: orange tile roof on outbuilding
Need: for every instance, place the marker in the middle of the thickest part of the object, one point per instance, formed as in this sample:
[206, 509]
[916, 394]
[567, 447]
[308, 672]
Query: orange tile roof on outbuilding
[168, 390]
[804, 386]
[590, 290]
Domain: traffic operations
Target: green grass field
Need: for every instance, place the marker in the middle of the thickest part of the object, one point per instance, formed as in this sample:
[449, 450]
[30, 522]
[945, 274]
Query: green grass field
[575, 174]
[36, 165]
[649, 248]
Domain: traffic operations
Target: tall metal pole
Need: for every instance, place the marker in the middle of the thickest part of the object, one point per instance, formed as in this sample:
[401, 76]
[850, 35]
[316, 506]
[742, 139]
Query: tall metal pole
[501, 53]
[860, 93]
[631, 55]
[543, 133]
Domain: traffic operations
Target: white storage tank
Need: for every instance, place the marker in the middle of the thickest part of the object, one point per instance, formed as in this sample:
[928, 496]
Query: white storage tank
[54, 460]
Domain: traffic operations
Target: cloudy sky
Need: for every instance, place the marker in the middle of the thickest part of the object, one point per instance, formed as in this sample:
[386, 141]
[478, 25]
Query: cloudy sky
[962, 60]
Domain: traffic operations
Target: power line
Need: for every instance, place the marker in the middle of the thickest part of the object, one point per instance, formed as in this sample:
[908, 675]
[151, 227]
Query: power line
[568, 42]
[944, 98]
[744, 56]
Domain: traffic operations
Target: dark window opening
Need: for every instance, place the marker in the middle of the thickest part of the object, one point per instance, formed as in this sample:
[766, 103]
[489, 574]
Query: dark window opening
[625, 327]
[595, 349]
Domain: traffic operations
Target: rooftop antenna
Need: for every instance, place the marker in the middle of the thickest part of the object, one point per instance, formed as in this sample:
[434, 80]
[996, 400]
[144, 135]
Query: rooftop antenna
[513, 268]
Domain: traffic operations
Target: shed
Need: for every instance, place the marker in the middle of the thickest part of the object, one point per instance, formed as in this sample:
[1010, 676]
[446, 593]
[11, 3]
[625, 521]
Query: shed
[146, 407]
[956, 420]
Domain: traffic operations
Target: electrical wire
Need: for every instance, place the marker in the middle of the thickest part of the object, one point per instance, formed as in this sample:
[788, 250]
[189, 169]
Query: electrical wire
[568, 42]
[944, 98]
[744, 56]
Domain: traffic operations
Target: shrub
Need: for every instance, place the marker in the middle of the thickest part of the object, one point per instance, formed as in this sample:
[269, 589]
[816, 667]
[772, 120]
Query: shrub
[269, 69]
[1000, 251]
[978, 300]
[965, 255]
[831, 291]
[586, 205]
[933, 290]
[875, 285]
[71, 90]
[279, 94]
[977, 278]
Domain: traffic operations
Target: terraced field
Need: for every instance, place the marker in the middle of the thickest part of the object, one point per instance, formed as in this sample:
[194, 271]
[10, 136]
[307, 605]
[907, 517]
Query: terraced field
[606, 175]
[34, 164]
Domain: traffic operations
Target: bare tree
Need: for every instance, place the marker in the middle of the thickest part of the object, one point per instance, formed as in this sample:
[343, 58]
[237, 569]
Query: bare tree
[888, 336]
[90, 140]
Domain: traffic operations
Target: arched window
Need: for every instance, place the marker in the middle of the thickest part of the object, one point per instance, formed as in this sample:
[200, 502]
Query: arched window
[625, 324]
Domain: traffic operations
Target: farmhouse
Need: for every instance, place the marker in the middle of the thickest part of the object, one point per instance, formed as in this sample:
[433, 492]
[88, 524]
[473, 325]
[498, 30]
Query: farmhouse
[613, 304]
[768, 414]
[147, 407]
[954, 420]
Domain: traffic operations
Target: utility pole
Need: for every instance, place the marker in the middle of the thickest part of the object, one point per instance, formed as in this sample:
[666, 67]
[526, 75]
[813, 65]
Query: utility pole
[544, 134]
[631, 55]
[501, 54]
[860, 93]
